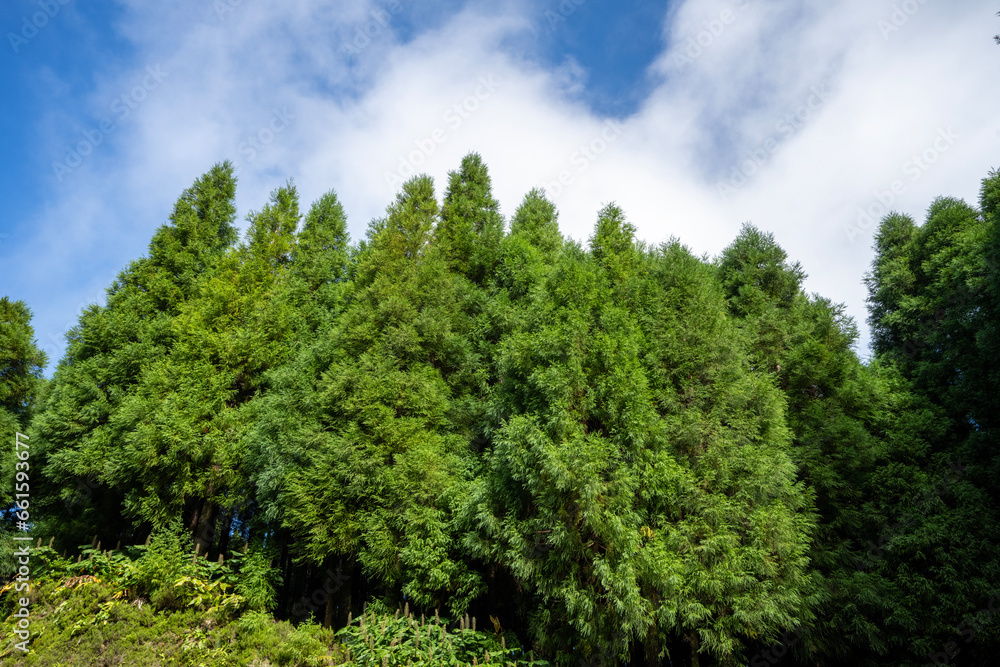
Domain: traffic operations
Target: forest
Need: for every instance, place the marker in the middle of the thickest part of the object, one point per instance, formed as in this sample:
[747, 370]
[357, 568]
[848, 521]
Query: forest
[469, 439]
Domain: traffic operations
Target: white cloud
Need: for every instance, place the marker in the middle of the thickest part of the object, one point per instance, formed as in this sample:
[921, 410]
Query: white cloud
[358, 113]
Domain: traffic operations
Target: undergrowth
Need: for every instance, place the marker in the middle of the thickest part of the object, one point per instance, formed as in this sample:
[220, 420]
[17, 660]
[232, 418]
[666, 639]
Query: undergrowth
[157, 605]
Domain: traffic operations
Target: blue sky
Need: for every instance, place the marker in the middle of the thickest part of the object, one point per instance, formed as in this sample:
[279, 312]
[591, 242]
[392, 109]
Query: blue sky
[694, 115]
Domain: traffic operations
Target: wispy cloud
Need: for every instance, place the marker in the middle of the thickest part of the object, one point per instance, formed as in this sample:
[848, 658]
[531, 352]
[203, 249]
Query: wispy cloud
[338, 95]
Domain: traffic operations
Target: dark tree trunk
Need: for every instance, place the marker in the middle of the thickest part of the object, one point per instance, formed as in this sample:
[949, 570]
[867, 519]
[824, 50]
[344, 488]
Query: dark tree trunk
[284, 593]
[339, 585]
[227, 525]
[203, 526]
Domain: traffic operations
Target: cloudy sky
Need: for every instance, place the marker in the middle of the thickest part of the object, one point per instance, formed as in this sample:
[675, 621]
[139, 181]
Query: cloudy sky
[695, 116]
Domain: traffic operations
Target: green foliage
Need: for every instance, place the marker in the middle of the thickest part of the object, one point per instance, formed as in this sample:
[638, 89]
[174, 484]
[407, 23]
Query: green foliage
[257, 582]
[21, 382]
[627, 453]
[378, 638]
[370, 455]
[85, 620]
[21, 363]
[933, 315]
[471, 226]
[638, 481]
[161, 565]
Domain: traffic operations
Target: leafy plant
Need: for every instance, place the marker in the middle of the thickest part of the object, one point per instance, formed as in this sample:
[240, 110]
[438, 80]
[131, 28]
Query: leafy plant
[257, 582]
[378, 638]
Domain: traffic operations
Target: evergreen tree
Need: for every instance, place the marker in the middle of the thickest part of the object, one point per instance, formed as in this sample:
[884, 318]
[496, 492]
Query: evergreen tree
[79, 428]
[184, 425]
[633, 453]
[471, 227]
[21, 364]
[372, 464]
[316, 287]
[858, 432]
[924, 290]
[626, 490]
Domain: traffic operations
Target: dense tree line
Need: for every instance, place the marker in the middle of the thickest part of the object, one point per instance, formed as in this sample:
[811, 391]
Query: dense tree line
[627, 453]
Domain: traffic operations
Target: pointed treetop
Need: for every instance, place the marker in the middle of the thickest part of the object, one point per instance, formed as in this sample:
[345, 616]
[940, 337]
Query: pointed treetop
[537, 220]
[989, 195]
[200, 230]
[470, 194]
[272, 230]
[471, 225]
[406, 228]
[613, 234]
[204, 214]
[754, 261]
[320, 255]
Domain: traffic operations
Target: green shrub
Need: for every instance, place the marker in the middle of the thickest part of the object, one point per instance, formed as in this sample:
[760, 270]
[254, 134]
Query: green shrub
[378, 638]
[257, 581]
[159, 567]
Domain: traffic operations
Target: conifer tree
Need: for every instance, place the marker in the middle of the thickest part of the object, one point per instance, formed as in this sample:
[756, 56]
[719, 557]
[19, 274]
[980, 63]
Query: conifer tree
[21, 364]
[930, 306]
[471, 227]
[80, 427]
[368, 470]
[612, 489]
[184, 425]
[21, 382]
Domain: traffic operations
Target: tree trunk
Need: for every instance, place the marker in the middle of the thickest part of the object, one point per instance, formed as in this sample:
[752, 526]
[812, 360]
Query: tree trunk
[227, 526]
[203, 525]
[345, 574]
[285, 592]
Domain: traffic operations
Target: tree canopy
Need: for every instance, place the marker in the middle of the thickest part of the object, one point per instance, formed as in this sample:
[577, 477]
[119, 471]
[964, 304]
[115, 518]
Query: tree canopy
[623, 453]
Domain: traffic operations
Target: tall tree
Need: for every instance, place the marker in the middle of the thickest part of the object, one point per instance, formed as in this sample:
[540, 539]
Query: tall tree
[929, 299]
[21, 364]
[368, 470]
[613, 487]
[78, 429]
[471, 226]
[181, 454]
[982, 374]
